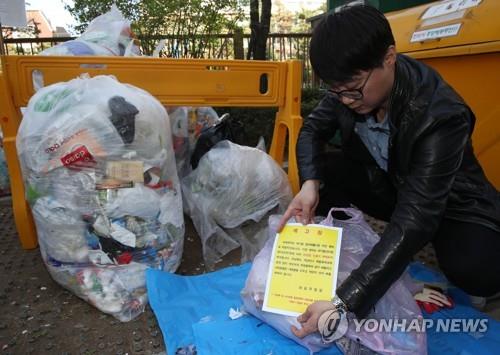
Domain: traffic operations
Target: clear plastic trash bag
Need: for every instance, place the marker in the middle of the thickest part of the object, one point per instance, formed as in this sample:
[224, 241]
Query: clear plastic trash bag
[230, 194]
[99, 173]
[357, 240]
[107, 35]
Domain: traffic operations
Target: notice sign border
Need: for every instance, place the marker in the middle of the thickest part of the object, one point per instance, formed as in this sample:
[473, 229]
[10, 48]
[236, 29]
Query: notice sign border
[324, 268]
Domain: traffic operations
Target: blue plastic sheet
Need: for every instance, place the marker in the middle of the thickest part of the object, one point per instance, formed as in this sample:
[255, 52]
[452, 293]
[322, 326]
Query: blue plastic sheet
[194, 310]
[181, 301]
[439, 342]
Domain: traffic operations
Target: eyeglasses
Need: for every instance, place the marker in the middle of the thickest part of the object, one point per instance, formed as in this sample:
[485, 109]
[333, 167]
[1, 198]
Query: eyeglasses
[353, 94]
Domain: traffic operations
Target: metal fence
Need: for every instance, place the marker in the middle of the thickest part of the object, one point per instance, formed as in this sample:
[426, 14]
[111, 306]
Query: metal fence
[225, 46]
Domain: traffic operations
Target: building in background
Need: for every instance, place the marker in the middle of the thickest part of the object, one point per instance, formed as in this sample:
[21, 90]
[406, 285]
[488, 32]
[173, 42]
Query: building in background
[41, 25]
[38, 25]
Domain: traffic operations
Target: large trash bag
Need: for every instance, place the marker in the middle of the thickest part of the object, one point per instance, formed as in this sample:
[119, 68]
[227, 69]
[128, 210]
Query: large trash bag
[397, 303]
[106, 35]
[100, 175]
[228, 197]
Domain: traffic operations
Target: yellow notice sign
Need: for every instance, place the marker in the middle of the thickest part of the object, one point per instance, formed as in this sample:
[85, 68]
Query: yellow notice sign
[304, 267]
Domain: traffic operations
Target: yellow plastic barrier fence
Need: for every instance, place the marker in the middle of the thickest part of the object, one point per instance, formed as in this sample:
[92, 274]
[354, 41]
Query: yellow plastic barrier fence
[192, 82]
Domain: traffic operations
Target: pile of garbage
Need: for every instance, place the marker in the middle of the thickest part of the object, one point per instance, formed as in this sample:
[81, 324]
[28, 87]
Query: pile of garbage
[229, 197]
[100, 175]
[101, 163]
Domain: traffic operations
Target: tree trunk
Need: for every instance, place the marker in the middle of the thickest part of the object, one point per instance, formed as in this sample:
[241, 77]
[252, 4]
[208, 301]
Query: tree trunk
[239, 52]
[260, 29]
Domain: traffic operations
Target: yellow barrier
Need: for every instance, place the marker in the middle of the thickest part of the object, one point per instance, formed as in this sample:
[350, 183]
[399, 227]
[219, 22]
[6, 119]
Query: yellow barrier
[193, 82]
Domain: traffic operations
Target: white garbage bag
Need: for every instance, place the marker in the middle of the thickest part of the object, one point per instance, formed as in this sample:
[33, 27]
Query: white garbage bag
[99, 171]
[106, 35]
[228, 197]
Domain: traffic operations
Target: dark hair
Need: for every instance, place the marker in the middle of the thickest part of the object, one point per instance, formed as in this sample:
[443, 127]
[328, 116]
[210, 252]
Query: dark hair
[343, 43]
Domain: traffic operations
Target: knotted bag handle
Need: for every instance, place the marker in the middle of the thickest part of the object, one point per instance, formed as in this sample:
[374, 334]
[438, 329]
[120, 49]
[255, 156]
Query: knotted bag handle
[356, 215]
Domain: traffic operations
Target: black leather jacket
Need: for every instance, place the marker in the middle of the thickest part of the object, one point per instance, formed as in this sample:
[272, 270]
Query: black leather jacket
[431, 165]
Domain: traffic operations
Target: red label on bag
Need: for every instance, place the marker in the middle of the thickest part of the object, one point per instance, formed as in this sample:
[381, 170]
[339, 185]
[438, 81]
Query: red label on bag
[124, 258]
[78, 158]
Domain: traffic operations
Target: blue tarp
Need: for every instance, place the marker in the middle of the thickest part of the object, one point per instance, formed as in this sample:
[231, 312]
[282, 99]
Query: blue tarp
[439, 342]
[194, 310]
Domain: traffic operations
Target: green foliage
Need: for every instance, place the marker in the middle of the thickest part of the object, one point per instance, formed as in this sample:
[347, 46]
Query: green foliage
[260, 122]
[257, 122]
[310, 99]
[152, 19]
[286, 21]
[301, 24]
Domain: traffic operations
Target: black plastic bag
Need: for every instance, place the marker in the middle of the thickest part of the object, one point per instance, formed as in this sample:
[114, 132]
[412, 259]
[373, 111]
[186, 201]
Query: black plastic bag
[225, 129]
